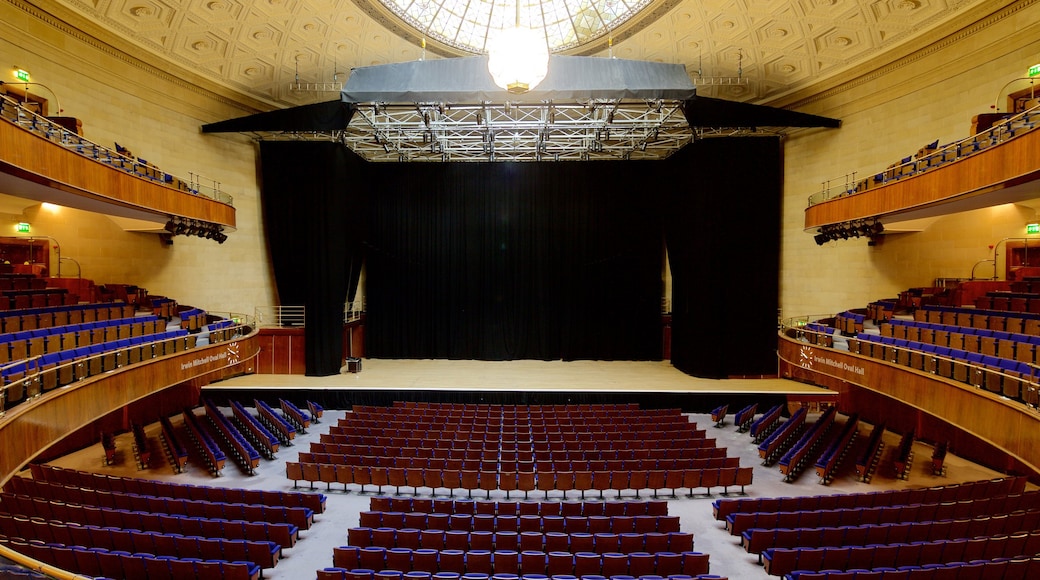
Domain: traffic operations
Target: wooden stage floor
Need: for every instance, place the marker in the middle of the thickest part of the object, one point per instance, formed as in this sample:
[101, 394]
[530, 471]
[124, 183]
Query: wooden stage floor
[524, 375]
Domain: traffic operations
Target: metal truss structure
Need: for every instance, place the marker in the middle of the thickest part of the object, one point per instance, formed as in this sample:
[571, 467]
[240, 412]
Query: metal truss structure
[600, 129]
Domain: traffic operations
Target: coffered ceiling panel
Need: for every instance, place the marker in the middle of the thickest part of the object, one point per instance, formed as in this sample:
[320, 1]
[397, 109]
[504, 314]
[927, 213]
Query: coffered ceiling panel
[262, 47]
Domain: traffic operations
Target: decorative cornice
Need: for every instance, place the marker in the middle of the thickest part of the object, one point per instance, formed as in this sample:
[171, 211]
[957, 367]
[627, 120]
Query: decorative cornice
[948, 39]
[105, 42]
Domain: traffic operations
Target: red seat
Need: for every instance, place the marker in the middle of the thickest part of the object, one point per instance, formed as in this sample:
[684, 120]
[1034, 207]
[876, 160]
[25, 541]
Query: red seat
[532, 562]
[478, 562]
[506, 562]
[560, 564]
[614, 564]
[587, 563]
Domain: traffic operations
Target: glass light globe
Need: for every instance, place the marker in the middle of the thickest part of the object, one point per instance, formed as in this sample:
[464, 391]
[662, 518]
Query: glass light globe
[518, 59]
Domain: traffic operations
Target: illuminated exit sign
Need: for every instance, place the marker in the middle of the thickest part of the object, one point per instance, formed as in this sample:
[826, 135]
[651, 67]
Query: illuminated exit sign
[1033, 228]
[1034, 70]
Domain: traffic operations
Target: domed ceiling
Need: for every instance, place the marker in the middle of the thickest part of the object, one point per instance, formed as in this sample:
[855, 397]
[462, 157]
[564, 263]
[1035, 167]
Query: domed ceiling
[747, 50]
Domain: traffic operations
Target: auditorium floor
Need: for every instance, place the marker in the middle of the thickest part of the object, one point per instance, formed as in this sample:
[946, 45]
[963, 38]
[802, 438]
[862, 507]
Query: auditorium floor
[314, 550]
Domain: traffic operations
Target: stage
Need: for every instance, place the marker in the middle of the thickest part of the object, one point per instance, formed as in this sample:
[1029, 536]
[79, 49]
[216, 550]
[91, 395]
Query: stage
[650, 383]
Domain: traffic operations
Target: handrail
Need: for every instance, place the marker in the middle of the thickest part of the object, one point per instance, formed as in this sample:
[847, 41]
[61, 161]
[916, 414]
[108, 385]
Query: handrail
[32, 382]
[798, 332]
[74, 142]
[1000, 132]
[295, 316]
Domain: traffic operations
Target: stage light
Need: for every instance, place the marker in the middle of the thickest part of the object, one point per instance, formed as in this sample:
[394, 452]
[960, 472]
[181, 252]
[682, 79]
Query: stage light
[821, 239]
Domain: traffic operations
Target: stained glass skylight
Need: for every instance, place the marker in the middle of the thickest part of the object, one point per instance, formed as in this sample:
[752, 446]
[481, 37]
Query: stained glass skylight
[465, 24]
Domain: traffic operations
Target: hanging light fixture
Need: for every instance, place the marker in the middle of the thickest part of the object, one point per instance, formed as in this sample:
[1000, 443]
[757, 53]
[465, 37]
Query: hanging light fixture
[518, 58]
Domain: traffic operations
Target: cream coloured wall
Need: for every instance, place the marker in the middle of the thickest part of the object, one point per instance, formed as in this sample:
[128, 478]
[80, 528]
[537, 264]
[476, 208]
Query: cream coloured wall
[121, 99]
[931, 94]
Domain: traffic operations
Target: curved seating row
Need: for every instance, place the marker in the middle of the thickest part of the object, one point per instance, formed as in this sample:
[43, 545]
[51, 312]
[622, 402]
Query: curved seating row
[35, 318]
[119, 564]
[334, 573]
[781, 561]
[1003, 320]
[424, 427]
[707, 457]
[599, 543]
[739, 522]
[520, 524]
[260, 552]
[997, 569]
[283, 534]
[403, 504]
[508, 481]
[32, 376]
[525, 562]
[37, 342]
[86, 479]
[300, 517]
[722, 508]
[585, 451]
[756, 540]
[1011, 378]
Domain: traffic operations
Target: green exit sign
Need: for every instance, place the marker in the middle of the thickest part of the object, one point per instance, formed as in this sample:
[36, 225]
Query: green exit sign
[1034, 70]
[1033, 228]
[21, 74]
[22, 228]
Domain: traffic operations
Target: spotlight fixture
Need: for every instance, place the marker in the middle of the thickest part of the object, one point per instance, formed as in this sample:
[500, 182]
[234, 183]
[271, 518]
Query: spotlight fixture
[869, 228]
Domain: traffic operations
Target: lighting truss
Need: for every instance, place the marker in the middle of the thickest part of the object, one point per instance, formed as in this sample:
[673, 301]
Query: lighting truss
[595, 130]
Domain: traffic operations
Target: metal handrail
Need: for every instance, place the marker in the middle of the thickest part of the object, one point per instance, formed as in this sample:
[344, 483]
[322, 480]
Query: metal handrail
[75, 143]
[1003, 131]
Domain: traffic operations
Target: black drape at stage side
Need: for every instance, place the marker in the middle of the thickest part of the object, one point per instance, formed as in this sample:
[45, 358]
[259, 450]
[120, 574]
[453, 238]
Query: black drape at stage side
[723, 235]
[506, 261]
[312, 221]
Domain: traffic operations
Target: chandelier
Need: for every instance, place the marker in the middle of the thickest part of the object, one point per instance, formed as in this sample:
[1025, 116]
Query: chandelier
[518, 57]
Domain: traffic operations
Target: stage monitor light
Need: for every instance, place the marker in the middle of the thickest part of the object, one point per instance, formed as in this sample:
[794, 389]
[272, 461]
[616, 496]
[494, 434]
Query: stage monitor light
[1033, 228]
[23, 228]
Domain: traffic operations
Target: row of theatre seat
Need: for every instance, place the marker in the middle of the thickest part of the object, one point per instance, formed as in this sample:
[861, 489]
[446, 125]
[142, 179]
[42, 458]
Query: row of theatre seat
[26, 343]
[387, 541]
[509, 481]
[555, 451]
[756, 540]
[599, 543]
[536, 524]
[34, 318]
[908, 556]
[1000, 343]
[525, 562]
[103, 563]
[478, 460]
[65, 367]
[335, 573]
[1008, 377]
[967, 522]
[136, 521]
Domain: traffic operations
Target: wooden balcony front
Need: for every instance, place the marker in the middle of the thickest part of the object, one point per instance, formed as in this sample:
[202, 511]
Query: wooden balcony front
[997, 174]
[41, 168]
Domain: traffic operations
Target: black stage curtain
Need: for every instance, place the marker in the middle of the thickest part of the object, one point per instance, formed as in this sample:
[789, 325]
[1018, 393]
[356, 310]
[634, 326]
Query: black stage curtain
[503, 261]
[312, 221]
[509, 261]
[723, 233]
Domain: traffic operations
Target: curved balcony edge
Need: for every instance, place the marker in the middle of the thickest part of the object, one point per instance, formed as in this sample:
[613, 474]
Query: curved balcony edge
[29, 429]
[994, 423]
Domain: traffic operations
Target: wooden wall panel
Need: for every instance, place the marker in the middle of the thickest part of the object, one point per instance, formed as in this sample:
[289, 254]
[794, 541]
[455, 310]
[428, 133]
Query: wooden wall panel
[31, 428]
[1000, 433]
[34, 158]
[1010, 163]
[282, 351]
